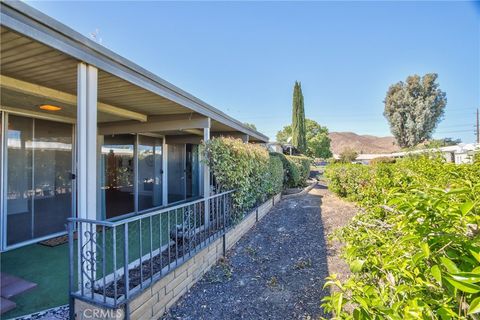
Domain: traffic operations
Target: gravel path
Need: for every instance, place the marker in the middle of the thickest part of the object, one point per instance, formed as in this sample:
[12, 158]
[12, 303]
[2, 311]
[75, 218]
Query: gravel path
[277, 270]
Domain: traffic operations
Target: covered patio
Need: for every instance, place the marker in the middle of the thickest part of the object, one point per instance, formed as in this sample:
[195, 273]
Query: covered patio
[86, 133]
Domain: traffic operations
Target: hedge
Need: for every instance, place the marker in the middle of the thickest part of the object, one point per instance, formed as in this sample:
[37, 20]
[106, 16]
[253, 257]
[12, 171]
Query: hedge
[303, 165]
[382, 160]
[247, 168]
[276, 175]
[297, 169]
[414, 248]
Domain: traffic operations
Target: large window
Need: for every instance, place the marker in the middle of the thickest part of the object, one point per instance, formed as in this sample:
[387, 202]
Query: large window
[176, 172]
[117, 161]
[149, 172]
[183, 172]
[130, 174]
[192, 168]
[39, 185]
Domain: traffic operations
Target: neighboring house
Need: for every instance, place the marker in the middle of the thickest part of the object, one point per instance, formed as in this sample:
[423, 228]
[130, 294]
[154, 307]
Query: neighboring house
[285, 148]
[466, 152]
[87, 133]
[461, 153]
[275, 147]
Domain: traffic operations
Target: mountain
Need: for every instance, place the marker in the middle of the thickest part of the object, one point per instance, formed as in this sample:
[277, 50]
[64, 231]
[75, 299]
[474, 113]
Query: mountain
[362, 143]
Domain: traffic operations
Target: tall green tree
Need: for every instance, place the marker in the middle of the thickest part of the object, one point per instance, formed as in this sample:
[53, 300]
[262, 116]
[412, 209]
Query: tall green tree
[318, 141]
[299, 139]
[414, 108]
[250, 125]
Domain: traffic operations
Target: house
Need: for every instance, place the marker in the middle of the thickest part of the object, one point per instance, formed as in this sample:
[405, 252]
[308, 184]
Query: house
[275, 147]
[88, 134]
[458, 154]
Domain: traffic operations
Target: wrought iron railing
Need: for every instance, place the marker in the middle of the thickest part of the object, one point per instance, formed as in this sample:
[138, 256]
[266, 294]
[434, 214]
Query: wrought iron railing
[112, 262]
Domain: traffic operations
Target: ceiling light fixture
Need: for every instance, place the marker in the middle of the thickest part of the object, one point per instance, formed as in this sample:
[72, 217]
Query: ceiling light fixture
[50, 107]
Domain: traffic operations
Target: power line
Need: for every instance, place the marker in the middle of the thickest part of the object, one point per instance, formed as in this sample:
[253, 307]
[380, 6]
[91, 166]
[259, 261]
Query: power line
[478, 128]
[453, 131]
[340, 115]
[456, 125]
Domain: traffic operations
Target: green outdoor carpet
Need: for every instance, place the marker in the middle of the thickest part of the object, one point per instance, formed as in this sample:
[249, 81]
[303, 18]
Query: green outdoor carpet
[45, 266]
[48, 266]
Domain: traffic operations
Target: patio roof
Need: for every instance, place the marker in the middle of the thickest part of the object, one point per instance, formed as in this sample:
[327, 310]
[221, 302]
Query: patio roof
[39, 58]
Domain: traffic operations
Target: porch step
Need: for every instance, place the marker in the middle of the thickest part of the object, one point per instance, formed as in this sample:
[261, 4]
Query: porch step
[6, 305]
[12, 286]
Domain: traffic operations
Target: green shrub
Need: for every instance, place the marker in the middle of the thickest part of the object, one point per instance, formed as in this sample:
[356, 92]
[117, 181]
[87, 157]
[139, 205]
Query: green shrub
[247, 168]
[382, 160]
[276, 175]
[302, 164]
[414, 251]
[292, 175]
[348, 155]
[296, 168]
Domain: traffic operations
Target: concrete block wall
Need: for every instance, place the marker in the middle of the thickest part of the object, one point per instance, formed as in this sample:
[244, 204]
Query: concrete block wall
[155, 300]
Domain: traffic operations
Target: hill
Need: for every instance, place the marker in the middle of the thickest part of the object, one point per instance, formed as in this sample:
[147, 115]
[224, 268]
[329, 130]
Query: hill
[362, 143]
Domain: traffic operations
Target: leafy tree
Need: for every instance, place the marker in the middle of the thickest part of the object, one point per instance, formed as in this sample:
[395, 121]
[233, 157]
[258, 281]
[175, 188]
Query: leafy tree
[250, 126]
[284, 135]
[348, 155]
[445, 142]
[298, 119]
[414, 108]
[318, 141]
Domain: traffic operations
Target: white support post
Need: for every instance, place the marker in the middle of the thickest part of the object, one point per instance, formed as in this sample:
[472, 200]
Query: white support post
[206, 177]
[164, 173]
[87, 141]
[87, 80]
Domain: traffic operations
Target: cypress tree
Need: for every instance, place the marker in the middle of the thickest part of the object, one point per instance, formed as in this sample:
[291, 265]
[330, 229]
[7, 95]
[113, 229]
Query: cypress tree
[299, 139]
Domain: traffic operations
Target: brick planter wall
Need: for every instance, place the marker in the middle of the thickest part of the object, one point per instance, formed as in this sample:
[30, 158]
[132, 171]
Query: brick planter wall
[156, 299]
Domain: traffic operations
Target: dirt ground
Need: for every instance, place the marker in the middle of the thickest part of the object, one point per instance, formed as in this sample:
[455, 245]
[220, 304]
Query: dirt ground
[278, 269]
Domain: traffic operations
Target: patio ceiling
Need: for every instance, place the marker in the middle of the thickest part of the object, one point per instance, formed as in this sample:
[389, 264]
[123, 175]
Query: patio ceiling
[125, 90]
[34, 63]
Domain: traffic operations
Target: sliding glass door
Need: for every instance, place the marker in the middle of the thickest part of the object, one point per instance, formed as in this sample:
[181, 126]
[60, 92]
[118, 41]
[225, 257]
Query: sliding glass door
[149, 172]
[52, 178]
[130, 174]
[19, 180]
[192, 171]
[39, 178]
[117, 180]
[183, 172]
[176, 172]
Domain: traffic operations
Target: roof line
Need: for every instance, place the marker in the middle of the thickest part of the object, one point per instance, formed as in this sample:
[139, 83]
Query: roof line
[81, 43]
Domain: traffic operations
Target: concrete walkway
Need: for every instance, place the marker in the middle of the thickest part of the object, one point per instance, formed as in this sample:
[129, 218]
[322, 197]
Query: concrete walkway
[276, 271]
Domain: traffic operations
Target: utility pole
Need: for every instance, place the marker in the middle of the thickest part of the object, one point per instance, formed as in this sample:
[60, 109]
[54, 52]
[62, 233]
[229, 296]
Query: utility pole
[478, 128]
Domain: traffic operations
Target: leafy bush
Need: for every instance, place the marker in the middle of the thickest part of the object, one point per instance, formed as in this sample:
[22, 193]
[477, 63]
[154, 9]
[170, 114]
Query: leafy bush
[292, 175]
[296, 168]
[382, 160]
[348, 155]
[303, 166]
[247, 168]
[276, 174]
[414, 252]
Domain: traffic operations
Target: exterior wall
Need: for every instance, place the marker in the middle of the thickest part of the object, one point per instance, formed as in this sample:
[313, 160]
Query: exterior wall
[157, 299]
[275, 147]
[463, 158]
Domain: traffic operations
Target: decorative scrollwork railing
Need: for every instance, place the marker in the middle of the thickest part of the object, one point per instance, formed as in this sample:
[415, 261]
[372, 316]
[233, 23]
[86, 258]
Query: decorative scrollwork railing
[112, 261]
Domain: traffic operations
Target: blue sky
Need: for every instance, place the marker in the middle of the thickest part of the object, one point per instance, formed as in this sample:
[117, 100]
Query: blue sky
[243, 57]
